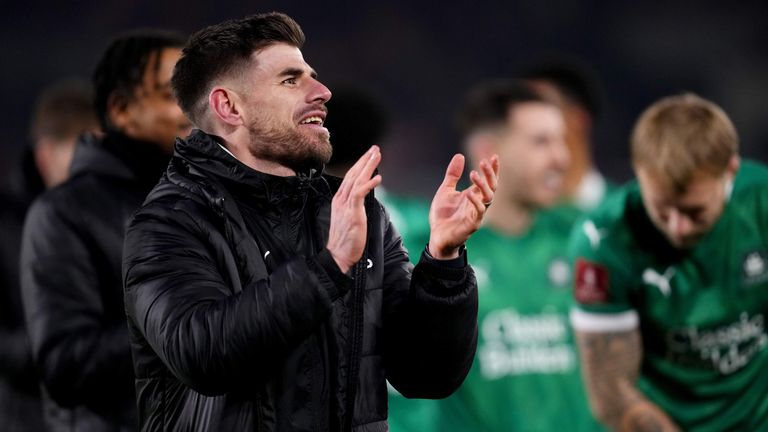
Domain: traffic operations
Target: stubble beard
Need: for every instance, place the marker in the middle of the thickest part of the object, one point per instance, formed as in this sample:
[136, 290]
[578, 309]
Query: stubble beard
[289, 147]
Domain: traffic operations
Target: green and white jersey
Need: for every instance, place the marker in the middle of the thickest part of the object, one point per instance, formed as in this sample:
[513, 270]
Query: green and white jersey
[411, 218]
[701, 311]
[525, 376]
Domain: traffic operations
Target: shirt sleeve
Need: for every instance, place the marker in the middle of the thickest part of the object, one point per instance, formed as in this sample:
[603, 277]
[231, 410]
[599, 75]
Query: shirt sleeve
[602, 279]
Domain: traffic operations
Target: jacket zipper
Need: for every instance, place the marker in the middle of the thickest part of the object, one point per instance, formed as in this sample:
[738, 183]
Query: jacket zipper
[356, 327]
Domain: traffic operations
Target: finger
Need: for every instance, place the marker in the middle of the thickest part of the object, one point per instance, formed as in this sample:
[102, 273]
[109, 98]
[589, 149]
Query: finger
[353, 173]
[491, 172]
[365, 188]
[476, 200]
[495, 164]
[482, 184]
[359, 188]
[368, 169]
[454, 171]
[354, 170]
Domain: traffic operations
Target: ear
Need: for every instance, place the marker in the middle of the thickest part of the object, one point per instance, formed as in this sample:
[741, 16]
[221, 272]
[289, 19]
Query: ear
[582, 119]
[117, 111]
[481, 146]
[43, 158]
[226, 104]
[733, 166]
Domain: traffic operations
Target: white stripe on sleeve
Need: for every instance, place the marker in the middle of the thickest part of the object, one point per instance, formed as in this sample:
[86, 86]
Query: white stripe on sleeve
[604, 322]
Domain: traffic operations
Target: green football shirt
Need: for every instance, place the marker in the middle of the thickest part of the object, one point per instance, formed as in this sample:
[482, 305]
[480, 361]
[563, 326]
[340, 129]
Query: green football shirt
[701, 312]
[525, 376]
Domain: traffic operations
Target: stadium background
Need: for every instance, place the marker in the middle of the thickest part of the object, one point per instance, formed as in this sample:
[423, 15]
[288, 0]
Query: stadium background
[418, 58]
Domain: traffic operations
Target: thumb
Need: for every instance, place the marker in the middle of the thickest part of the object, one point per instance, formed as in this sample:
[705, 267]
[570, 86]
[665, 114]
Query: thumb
[454, 171]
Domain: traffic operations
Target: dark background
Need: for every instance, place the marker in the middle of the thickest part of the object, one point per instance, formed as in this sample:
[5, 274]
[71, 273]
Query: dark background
[420, 57]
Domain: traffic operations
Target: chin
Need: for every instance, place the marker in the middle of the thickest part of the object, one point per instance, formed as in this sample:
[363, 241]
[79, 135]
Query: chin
[322, 152]
[548, 199]
[683, 243]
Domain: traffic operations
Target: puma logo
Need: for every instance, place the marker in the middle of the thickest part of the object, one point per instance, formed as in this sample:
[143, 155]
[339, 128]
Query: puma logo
[593, 234]
[660, 281]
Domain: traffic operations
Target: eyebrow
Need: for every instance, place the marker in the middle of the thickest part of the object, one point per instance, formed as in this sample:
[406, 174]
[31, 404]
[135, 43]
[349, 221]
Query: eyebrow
[293, 72]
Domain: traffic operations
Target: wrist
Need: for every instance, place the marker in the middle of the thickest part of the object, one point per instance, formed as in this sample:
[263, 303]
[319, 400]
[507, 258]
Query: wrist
[441, 253]
[343, 265]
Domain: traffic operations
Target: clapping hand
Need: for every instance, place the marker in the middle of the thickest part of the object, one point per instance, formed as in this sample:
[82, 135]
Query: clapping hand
[455, 215]
[348, 230]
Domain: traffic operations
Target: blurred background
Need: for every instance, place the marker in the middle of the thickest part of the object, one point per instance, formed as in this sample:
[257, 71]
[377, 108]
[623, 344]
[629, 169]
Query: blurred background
[418, 58]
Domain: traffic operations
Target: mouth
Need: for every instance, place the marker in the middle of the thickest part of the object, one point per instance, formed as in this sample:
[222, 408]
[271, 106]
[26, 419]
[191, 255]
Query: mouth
[553, 181]
[316, 118]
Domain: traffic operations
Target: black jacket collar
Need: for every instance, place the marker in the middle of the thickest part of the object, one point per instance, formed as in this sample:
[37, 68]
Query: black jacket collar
[204, 152]
[120, 156]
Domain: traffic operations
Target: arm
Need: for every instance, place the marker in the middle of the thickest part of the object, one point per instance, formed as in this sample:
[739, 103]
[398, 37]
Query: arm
[15, 355]
[611, 364]
[430, 322]
[216, 340]
[80, 352]
[431, 335]
[180, 297]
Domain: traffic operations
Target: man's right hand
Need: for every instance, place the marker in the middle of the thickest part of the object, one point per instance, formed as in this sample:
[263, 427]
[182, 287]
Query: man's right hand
[349, 224]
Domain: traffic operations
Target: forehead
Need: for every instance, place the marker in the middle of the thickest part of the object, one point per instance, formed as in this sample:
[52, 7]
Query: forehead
[534, 115]
[277, 57]
[547, 90]
[159, 67]
[699, 190]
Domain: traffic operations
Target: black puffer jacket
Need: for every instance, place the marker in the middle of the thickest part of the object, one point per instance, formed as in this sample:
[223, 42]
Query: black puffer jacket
[71, 284]
[20, 406]
[240, 320]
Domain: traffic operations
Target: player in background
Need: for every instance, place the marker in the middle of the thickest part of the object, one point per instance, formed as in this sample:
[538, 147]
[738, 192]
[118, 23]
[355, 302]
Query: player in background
[72, 241]
[526, 374]
[64, 111]
[671, 280]
[576, 89]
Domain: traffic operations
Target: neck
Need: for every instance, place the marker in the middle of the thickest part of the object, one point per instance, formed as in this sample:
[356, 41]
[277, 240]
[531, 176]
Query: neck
[510, 217]
[241, 153]
[264, 166]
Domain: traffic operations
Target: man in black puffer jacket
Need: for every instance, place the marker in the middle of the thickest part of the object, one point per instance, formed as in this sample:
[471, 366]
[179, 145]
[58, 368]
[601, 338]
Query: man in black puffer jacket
[73, 237]
[262, 295]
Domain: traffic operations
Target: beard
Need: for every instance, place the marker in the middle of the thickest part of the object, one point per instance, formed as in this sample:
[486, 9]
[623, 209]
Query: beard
[288, 146]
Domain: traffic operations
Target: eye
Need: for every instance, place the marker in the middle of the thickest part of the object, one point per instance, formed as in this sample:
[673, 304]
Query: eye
[290, 81]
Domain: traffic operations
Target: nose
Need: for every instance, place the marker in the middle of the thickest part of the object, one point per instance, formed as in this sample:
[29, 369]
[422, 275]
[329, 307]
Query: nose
[319, 92]
[678, 224]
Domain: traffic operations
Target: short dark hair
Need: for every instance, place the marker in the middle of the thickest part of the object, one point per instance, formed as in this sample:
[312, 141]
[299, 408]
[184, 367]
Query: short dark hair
[574, 79]
[123, 66]
[356, 122]
[225, 48]
[488, 104]
[63, 110]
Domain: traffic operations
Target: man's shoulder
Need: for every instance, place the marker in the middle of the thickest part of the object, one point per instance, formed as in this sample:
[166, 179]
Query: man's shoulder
[609, 228]
[560, 218]
[617, 204]
[170, 200]
[751, 179]
[73, 197]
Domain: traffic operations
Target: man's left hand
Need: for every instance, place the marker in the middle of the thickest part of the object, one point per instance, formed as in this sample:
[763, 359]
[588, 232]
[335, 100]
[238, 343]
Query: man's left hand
[455, 215]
